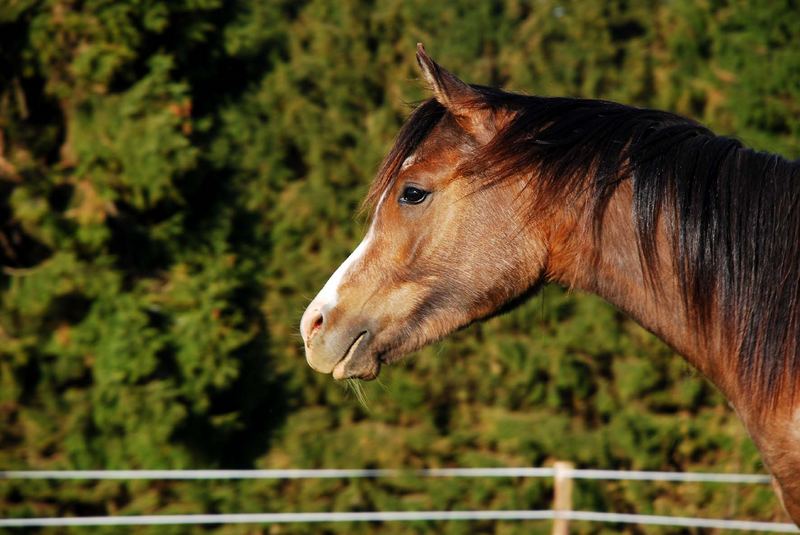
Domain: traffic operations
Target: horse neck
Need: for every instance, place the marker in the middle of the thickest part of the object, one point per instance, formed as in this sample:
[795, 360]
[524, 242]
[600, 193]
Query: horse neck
[609, 265]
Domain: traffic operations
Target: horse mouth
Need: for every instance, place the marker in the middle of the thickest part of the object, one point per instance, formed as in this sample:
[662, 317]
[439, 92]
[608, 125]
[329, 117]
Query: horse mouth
[342, 369]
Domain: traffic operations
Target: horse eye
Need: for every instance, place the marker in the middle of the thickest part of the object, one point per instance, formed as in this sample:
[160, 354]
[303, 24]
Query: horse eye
[412, 195]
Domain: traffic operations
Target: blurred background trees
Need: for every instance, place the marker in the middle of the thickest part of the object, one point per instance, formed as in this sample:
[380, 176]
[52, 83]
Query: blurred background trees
[179, 178]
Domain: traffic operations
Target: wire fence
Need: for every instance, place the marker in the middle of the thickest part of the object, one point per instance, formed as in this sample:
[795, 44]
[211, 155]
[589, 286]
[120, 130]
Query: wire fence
[525, 472]
[398, 516]
[560, 473]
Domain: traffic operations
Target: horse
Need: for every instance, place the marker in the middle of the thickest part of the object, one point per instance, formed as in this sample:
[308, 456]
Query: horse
[486, 195]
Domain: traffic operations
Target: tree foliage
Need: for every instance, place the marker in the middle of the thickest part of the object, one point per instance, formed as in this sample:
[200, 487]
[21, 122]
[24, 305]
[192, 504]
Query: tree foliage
[179, 178]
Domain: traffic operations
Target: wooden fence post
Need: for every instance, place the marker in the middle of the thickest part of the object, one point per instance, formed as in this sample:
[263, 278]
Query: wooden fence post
[562, 496]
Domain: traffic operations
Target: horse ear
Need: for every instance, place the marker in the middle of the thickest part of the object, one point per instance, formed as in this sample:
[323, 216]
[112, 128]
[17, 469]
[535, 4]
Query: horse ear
[465, 103]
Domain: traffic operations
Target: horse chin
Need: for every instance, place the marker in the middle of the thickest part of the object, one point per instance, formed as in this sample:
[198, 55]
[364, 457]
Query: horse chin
[369, 352]
[359, 362]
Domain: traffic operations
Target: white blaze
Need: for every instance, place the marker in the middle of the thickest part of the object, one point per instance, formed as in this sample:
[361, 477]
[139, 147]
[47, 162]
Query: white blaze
[329, 295]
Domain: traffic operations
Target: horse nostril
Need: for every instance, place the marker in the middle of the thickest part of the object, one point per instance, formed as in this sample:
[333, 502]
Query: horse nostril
[316, 324]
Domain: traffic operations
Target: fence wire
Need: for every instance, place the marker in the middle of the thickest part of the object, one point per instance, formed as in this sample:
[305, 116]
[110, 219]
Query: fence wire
[524, 472]
[392, 516]
[395, 516]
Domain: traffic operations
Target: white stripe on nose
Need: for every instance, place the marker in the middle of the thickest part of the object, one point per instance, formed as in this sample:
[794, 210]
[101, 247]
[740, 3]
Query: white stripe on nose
[327, 298]
[329, 295]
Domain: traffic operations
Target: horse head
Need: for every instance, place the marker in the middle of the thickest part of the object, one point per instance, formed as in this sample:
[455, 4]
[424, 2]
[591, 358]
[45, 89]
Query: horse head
[442, 250]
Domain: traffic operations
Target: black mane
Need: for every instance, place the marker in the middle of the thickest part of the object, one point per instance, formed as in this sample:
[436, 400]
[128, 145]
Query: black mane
[733, 212]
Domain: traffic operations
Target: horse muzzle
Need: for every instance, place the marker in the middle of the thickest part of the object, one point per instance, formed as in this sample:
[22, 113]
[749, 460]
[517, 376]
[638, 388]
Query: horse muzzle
[342, 350]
